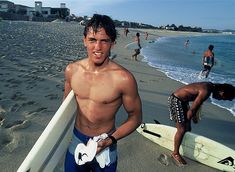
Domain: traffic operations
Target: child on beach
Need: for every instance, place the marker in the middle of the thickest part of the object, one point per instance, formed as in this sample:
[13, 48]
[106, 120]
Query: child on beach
[101, 87]
[126, 31]
[182, 113]
[146, 35]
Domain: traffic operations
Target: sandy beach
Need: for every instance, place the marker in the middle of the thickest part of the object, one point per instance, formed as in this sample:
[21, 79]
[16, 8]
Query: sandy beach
[154, 88]
[33, 57]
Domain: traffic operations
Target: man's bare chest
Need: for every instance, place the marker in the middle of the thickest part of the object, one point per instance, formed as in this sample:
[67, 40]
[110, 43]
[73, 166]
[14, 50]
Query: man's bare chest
[97, 89]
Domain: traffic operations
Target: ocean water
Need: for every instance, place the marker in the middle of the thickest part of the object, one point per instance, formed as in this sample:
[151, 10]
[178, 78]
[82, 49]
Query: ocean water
[183, 63]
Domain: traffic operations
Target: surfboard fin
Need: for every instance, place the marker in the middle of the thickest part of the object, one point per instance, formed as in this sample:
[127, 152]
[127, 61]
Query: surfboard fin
[156, 121]
[142, 125]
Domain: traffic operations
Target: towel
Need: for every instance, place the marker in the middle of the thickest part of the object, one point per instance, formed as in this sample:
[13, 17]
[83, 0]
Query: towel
[103, 158]
[85, 153]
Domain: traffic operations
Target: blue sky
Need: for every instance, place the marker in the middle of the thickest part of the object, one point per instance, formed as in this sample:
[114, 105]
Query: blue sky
[207, 14]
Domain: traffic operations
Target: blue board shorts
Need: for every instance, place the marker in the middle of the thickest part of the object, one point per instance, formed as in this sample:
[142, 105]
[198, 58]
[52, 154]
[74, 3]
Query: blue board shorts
[71, 166]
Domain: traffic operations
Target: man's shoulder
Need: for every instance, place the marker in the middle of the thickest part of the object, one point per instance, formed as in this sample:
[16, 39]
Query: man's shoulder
[124, 75]
[120, 69]
[208, 53]
[74, 65]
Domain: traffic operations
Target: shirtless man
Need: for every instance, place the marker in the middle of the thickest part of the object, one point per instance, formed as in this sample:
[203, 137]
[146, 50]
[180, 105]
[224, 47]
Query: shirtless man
[182, 113]
[101, 86]
[208, 60]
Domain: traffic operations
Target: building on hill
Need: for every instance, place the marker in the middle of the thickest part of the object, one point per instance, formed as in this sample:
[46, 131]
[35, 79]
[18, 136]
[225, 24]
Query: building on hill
[38, 11]
[7, 6]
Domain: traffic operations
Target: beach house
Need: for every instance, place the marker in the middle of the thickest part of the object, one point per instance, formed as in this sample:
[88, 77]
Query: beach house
[11, 11]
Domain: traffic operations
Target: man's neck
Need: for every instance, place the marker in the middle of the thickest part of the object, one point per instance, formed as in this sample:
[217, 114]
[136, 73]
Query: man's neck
[93, 67]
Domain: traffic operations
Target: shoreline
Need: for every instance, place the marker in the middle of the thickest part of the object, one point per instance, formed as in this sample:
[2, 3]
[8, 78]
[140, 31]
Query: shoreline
[164, 33]
[154, 89]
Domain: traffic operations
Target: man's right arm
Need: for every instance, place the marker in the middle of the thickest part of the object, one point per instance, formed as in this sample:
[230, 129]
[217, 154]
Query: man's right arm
[67, 76]
[201, 97]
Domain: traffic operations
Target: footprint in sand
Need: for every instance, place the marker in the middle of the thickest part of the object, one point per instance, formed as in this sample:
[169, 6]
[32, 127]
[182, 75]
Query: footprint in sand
[163, 159]
[1, 120]
[29, 103]
[60, 86]
[19, 124]
[5, 138]
[30, 114]
[40, 109]
[18, 96]
[2, 110]
[154, 80]
[10, 141]
[14, 108]
[52, 96]
[141, 81]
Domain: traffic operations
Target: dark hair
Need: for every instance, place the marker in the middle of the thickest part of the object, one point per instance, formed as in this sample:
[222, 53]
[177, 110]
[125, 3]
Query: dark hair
[211, 47]
[138, 34]
[228, 89]
[101, 21]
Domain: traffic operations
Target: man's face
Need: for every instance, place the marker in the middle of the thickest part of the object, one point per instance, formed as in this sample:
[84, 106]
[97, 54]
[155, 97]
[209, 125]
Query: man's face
[98, 45]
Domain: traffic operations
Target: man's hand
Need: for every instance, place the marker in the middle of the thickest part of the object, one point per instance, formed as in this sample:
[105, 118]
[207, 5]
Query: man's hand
[103, 144]
[189, 114]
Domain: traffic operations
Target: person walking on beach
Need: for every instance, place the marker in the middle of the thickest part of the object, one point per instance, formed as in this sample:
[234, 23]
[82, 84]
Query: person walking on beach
[146, 35]
[182, 113]
[208, 60]
[126, 31]
[101, 87]
[137, 51]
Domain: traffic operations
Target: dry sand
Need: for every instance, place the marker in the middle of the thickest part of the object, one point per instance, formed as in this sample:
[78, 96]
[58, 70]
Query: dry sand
[32, 59]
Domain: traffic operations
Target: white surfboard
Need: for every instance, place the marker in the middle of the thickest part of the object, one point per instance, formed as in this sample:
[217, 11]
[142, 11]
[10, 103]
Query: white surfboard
[195, 147]
[53, 142]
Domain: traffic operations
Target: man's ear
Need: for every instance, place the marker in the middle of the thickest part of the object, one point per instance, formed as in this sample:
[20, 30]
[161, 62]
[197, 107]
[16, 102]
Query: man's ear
[113, 43]
[84, 41]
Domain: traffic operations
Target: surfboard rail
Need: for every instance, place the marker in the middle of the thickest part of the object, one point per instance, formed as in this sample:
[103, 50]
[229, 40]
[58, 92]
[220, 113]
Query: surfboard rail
[54, 140]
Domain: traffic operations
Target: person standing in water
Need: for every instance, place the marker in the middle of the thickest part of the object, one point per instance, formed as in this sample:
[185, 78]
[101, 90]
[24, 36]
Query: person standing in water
[208, 61]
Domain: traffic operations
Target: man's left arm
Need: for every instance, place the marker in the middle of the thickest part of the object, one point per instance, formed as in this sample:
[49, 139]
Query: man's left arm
[132, 104]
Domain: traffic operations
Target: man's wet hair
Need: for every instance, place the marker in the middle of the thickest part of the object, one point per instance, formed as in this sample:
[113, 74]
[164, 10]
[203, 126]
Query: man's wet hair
[101, 21]
[228, 89]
